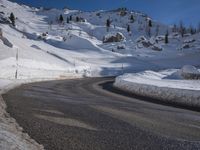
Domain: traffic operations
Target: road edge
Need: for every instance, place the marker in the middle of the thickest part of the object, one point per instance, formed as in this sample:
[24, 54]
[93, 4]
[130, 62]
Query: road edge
[11, 133]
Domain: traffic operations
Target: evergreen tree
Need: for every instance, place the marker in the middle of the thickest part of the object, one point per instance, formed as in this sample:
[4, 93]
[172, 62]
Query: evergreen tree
[132, 19]
[150, 23]
[61, 19]
[70, 18]
[128, 28]
[166, 38]
[77, 19]
[108, 22]
[12, 19]
[192, 30]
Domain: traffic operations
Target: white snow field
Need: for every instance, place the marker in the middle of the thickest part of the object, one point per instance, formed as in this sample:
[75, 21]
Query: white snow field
[168, 85]
[40, 47]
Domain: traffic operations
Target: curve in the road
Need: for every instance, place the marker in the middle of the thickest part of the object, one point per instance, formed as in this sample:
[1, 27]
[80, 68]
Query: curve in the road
[79, 114]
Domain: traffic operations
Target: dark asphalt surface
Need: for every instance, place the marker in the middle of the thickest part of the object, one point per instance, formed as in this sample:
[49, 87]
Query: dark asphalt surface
[80, 115]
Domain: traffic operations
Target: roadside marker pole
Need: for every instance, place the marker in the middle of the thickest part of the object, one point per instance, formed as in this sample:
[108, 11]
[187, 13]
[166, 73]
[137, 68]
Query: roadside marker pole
[16, 73]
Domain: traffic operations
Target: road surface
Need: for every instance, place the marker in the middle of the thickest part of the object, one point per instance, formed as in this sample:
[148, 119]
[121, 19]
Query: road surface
[80, 115]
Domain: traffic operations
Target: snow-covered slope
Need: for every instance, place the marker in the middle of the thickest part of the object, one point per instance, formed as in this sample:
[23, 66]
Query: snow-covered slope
[40, 46]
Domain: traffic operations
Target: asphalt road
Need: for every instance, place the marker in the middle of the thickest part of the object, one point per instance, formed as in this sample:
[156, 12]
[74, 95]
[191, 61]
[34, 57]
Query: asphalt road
[80, 115]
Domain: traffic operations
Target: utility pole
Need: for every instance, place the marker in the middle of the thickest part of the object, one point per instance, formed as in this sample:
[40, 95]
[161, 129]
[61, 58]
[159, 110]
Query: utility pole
[17, 56]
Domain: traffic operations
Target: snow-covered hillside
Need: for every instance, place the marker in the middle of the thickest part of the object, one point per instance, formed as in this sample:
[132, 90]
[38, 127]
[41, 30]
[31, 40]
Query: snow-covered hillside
[41, 46]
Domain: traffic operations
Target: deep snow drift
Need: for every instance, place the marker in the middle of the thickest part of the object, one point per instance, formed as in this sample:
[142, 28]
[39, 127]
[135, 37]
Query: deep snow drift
[167, 85]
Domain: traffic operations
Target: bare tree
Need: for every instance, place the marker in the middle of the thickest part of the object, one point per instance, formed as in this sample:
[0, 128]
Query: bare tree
[182, 29]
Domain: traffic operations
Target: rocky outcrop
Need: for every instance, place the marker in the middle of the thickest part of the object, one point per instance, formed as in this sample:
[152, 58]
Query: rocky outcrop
[113, 37]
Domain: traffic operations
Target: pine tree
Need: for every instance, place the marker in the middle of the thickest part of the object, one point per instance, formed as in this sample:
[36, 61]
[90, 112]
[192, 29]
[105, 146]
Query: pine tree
[77, 19]
[61, 19]
[12, 19]
[128, 28]
[108, 24]
[166, 38]
[68, 19]
[191, 30]
[150, 23]
[132, 18]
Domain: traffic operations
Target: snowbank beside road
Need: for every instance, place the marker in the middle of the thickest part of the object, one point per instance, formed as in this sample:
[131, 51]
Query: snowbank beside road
[190, 72]
[166, 85]
[11, 134]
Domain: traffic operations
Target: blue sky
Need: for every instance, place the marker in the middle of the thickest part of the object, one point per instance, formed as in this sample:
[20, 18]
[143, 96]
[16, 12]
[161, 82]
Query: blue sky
[166, 11]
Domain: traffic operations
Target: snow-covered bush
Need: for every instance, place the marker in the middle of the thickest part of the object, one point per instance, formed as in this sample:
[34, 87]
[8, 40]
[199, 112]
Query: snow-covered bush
[189, 40]
[113, 37]
[43, 36]
[160, 38]
[140, 39]
[122, 46]
[156, 47]
[143, 42]
[175, 35]
[185, 46]
[146, 43]
[190, 72]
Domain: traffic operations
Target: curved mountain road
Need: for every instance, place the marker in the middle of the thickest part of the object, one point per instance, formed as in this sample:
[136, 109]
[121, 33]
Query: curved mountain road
[80, 115]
